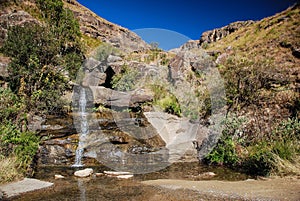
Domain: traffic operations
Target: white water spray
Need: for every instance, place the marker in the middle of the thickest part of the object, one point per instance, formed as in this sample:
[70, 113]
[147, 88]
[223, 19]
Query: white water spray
[84, 127]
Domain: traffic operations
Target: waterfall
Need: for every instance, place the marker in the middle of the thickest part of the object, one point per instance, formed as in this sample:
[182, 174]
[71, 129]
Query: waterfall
[83, 129]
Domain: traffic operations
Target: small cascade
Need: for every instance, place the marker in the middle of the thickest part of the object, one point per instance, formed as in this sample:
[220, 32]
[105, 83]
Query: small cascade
[84, 127]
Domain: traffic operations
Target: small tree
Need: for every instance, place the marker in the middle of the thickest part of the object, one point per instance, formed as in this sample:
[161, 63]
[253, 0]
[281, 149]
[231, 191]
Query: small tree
[34, 72]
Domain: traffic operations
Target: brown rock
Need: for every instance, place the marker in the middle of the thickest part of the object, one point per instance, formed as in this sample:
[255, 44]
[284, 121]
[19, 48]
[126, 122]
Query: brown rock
[217, 34]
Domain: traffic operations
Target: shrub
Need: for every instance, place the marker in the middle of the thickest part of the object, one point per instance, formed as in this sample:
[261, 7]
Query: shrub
[260, 161]
[8, 172]
[166, 100]
[126, 80]
[225, 151]
[24, 144]
[10, 105]
[286, 139]
[103, 51]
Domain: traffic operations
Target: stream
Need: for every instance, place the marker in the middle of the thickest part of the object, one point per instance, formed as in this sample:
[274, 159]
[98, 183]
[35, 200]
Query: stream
[111, 188]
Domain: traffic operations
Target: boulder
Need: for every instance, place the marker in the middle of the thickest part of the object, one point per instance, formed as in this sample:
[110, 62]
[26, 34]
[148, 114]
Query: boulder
[178, 134]
[26, 185]
[113, 59]
[4, 61]
[191, 44]
[84, 173]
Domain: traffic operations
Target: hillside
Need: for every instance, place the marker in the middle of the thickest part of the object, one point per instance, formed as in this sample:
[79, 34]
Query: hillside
[263, 58]
[93, 27]
[234, 93]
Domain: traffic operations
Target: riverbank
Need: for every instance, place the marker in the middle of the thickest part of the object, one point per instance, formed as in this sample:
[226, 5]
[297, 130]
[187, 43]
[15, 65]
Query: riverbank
[276, 188]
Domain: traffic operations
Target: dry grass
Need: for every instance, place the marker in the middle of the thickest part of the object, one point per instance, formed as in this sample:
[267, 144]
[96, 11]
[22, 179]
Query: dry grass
[286, 167]
[8, 169]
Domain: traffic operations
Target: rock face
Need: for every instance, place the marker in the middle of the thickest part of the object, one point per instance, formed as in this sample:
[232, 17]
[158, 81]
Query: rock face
[178, 134]
[217, 34]
[99, 28]
[191, 44]
[109, 97]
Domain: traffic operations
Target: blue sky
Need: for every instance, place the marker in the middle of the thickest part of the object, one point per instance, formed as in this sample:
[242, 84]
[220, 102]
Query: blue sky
[187, 19]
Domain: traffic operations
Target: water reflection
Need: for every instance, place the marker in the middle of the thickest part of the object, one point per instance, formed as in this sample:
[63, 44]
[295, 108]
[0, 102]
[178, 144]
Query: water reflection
[82, 189]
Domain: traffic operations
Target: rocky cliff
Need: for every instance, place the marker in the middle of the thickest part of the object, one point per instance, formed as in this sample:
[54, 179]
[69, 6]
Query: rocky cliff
[101, 29]
[91, 25]
[219, 33]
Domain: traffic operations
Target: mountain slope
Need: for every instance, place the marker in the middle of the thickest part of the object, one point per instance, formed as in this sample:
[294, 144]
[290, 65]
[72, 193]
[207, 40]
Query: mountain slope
[101, 29]
[93, 27]
[263, 58]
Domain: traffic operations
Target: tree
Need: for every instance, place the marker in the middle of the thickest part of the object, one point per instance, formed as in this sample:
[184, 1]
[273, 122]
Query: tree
[34, 71]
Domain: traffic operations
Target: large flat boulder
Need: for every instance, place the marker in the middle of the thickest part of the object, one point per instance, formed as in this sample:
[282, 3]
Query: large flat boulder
[26, 185]
[109, 97]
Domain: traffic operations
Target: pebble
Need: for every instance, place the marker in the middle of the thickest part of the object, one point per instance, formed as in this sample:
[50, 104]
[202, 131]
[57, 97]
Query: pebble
[58, 176]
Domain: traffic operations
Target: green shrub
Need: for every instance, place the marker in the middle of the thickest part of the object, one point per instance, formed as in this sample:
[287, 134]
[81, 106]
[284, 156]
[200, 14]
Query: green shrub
[260, 161]
[166, 100]
[284, 143]
[170, 105]
[24, 144]
[286, 139]
[104, 50]
[126, 80]
[225, 151]
[10, 105]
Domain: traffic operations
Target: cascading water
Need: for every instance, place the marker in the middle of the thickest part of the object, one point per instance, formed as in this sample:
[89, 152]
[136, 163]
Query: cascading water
[84, 127]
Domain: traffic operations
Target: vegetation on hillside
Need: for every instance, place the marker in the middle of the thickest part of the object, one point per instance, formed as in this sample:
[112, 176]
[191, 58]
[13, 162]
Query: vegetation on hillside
[264, 92]
[44, 58]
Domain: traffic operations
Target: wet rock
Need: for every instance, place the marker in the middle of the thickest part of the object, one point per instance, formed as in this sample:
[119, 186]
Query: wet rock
[140, 149]
[116, 173]
[99, 174]
[84, 173]
[26, 185]
[117, 140]
[55, 154]
[125, 176]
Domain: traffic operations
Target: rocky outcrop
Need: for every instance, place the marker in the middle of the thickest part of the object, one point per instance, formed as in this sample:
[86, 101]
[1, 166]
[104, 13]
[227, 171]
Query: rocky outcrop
[217, 34]
[108, 97]
[99, 28]
[178, 134]
[191, 44]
